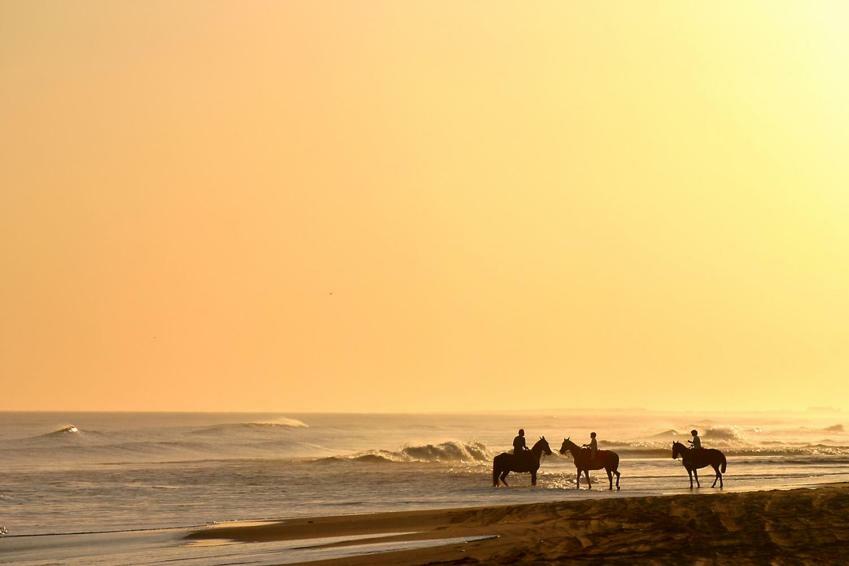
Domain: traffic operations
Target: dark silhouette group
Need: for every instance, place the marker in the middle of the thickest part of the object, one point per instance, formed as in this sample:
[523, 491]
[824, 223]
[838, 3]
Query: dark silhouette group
[588, 457]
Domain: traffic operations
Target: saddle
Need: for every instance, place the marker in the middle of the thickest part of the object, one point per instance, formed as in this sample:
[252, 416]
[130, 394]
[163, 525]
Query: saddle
[522, 455]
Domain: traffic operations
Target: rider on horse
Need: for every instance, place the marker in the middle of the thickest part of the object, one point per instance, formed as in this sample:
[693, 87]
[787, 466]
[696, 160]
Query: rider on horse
[696, 442]
[592, 446]
[519, 445]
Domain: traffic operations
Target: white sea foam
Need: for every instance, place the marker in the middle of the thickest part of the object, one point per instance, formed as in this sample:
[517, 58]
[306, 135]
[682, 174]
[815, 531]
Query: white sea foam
[190, 468]
[444, 452]
[65, 430]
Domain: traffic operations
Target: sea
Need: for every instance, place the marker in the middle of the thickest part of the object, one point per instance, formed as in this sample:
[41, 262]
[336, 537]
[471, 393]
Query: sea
[68, 477]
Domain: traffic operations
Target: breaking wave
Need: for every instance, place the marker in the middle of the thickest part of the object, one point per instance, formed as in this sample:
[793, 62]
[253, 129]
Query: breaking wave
[65, 434]
[65, 430]
[671, 433]
[722, 433]
[281, 423]
[445, 452]
[713, 433]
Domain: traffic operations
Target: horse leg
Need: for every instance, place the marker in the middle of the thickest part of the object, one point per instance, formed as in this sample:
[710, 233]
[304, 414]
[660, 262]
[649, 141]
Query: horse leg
[504, 477]
[534, 478]
[690, 473]
[609, 478]
[696, 473]
[617, 478]
[578, 486]
[589, 483]
[716, 477]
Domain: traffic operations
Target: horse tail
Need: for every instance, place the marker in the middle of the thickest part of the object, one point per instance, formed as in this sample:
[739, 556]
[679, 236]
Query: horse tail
[723, 462]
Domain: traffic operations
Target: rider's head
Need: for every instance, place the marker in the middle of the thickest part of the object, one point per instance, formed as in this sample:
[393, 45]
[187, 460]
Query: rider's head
[592, 435]
[694, 432]
[521, 432]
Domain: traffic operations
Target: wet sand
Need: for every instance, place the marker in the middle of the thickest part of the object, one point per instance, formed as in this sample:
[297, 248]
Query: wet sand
[781, 527]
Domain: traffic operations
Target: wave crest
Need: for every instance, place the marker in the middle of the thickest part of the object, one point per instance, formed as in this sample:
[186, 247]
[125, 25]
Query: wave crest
[282, 423]
[445, 452]
[722, 433]
[65, 431]
[448, 452]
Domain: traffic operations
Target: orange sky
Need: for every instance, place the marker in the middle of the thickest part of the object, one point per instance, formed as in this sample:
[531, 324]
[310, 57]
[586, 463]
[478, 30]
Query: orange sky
[402, 206]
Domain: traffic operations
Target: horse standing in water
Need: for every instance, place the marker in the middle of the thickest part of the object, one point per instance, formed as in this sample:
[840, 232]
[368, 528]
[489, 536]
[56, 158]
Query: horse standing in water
[607, 459]
[700, 458]
[528, 461]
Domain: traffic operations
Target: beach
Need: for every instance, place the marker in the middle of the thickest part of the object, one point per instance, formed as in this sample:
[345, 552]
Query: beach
[129, 488]
[779, 527]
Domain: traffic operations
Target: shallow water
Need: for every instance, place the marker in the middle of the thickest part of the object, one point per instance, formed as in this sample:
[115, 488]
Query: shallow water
[95, 472]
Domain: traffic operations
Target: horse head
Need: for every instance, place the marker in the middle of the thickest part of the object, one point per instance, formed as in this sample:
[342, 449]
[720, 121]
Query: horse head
[566, 445]
[542, 444]
[678, 449]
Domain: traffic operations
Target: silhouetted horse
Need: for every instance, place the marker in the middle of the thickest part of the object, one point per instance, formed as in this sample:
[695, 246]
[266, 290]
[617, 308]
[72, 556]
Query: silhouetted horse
[528, 461]
[701, 458]
[607, 459]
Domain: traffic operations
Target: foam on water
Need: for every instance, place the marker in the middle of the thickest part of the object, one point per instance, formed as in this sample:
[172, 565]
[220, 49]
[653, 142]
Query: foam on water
[186, 468]
[444, 452]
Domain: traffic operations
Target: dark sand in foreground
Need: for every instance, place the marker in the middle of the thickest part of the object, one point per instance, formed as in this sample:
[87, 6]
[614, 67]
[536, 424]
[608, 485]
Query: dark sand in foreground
[778, 527]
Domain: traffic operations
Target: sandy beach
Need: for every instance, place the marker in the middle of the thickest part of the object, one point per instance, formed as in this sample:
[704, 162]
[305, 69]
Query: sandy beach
[781, 527]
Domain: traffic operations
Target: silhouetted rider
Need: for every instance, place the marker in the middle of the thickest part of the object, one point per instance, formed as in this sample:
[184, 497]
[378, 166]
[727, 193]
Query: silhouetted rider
[696, 442]
[519, 445]
[593, 446]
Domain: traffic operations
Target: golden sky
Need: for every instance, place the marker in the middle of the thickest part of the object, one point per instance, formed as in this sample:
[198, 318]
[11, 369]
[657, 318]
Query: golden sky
[423, 205]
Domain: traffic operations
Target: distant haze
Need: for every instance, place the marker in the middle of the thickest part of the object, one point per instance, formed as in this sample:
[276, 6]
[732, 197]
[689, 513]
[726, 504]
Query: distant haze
[424, 205]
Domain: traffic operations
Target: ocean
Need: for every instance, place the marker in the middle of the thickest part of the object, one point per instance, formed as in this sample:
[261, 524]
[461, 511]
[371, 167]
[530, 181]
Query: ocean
[67, 474]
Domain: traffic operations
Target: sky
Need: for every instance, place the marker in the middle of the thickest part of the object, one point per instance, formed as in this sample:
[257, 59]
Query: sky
[423, 205]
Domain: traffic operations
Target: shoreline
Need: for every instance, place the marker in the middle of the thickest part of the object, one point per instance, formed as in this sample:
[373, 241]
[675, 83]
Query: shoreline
[808, 524]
